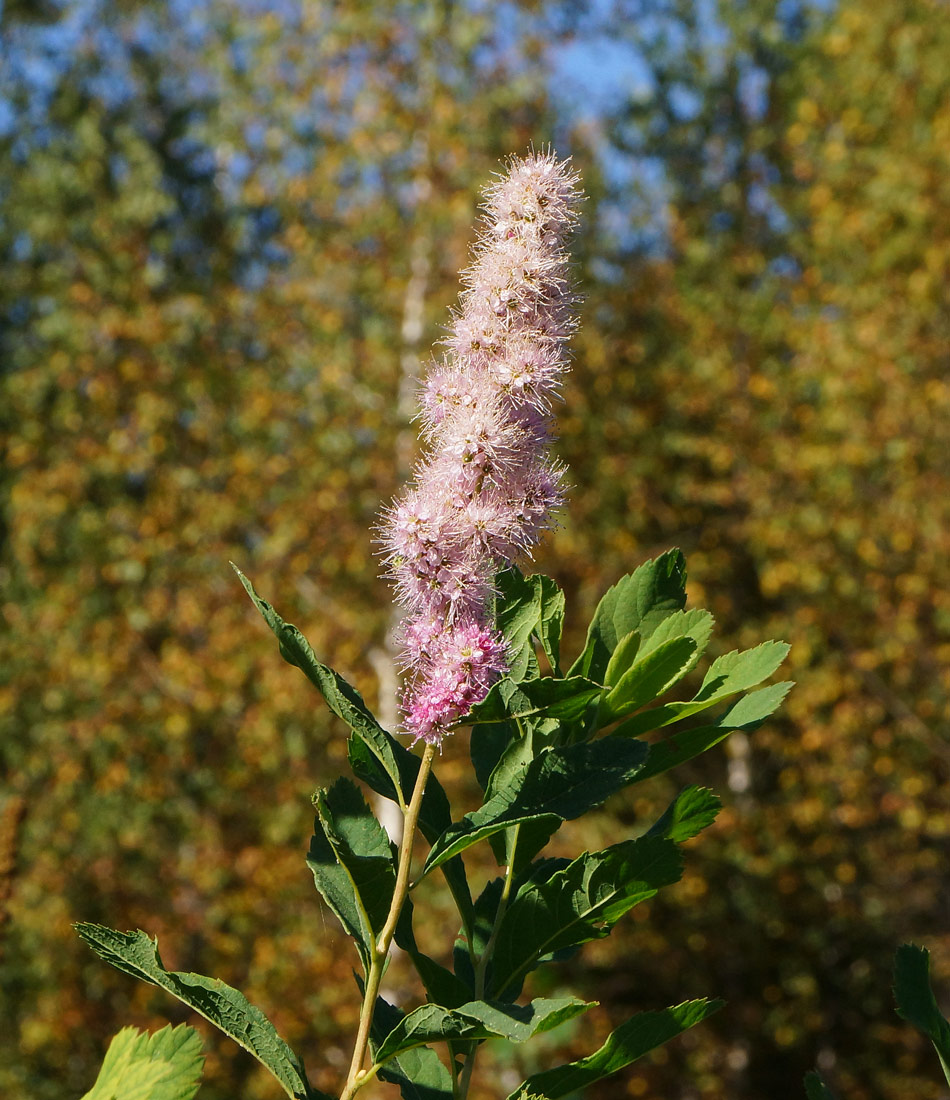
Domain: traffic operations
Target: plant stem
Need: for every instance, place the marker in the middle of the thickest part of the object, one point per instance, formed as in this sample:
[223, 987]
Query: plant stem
[465, 1079]
[356, 1077]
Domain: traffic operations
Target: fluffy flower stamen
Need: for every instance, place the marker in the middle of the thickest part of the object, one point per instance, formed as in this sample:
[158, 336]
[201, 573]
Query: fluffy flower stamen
[486, 486]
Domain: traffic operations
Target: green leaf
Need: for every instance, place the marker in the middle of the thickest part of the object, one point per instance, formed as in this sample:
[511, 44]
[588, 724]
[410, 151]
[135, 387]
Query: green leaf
[519, 844]
[342, 698]
[693, 809]
[352, 863]
[696, 624]
[638, 1036]
[511, 767]
[478, 1020]
[164, 1066]
[518, 615]
[916, 1002]
[747, 714]
[508, 773]
[487, 745]
[622, 657]
[136, 953]
[441, 984]
[435, 813]
[468, 950]
[640, 601]
[560, 783]
[527, 608]
[550, 696]
[727, 676]
[336, 888]
[419, 1073]
[740, 670]
[815, 1087]
[551, 602]
[651, 676]
[581, 902]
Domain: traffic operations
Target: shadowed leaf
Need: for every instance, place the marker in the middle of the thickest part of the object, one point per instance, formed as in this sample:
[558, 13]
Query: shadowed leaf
[638, 1036]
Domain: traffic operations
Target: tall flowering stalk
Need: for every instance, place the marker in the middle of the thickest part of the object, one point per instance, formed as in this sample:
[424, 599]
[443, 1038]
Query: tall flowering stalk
[487, 484]
[482, 495]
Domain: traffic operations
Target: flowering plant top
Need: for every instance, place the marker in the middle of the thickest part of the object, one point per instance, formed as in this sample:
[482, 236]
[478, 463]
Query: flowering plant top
[545, 749]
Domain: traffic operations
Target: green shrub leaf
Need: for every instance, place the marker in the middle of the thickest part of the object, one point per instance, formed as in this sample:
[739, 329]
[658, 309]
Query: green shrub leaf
[693, 810]
[551, 602]
[653, 674]
[528, 608]
[638, 1036]
[747, 714]
[342, 698]
[566, 699]
[579, 903]
[487, 744]
[419, 1072]
[478, 1020]
[352, 863]
[435, 815]
[164, 1066]
[916, 1002]
[727, 676]
[640, 601]
[561, 784]
[136, 953]
[518, 615]
[622, 657]
[696, 624]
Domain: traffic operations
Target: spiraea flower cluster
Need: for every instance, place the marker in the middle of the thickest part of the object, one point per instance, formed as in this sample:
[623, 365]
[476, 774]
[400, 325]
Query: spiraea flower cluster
[487, 484]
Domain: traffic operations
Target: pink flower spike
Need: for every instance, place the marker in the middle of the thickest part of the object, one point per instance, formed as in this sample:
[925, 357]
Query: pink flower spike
[485, 488]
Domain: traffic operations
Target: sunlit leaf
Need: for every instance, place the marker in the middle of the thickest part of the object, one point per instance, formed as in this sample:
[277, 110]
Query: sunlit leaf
[165, 1065]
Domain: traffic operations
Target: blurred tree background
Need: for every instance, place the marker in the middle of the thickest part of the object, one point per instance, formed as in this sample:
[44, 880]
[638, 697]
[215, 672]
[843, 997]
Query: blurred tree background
[229, 234]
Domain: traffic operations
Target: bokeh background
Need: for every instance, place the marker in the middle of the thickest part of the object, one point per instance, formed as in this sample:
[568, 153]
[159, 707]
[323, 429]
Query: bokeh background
[229, 235]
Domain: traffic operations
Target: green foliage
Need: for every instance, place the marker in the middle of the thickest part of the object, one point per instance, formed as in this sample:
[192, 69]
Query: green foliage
[638, 602]
[747, 714]
[770, 394]
[342, 699]
[163, 1066]
[352, 863]
[477, 1020]
[916, 1002]
[546, 767]
[638, 1036]
[208, 228]
[648, 678]
[558, 785]
[815, 1087]
[136, 953]
[529, 608]
[693, 810]
[727, 676]
[582, 902]
[554, 698]
[768, 391]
